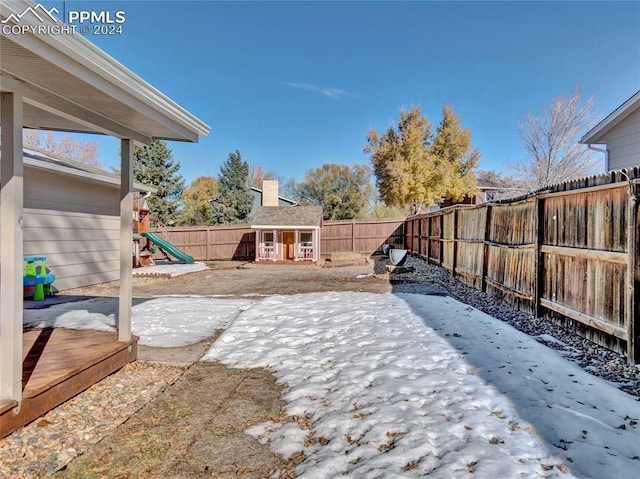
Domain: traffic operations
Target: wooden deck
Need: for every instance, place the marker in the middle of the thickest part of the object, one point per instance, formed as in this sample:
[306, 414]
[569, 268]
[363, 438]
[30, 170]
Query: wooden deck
[58, 364]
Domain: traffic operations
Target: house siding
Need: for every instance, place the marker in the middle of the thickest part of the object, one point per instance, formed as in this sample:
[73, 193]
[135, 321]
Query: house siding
[623, 143]
[75, 223]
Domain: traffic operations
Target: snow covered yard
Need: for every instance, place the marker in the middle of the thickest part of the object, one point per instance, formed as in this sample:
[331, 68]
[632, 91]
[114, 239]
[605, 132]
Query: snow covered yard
[400, 385]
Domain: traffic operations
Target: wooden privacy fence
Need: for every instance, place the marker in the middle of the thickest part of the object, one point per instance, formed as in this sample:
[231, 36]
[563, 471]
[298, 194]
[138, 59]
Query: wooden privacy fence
[569, 253]
[209, 243]
[361, 236]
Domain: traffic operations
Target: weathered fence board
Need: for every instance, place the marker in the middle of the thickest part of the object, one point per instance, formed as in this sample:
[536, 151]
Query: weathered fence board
[210, 243]
[569, 253]
[361, 236]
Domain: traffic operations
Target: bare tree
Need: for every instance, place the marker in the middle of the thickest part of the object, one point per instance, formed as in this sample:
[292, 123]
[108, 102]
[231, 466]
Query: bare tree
[82, 151]
[550, 141]
[257, 175]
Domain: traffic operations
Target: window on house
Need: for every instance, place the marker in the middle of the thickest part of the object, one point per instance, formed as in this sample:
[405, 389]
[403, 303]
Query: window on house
[267, 238]
[306, 239]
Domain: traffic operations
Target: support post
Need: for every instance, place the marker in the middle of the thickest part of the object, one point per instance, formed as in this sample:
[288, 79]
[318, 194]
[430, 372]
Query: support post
[126, 235]
[11, 247]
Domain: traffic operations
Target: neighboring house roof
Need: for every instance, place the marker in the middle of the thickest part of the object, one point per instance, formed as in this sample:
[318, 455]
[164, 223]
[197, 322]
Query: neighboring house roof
[484, 184]
[598, 133]
[287, 217]
[45, 160]
[281, 199]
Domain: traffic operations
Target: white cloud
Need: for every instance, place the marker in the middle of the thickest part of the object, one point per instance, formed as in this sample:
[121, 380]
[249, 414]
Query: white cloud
[330, 92]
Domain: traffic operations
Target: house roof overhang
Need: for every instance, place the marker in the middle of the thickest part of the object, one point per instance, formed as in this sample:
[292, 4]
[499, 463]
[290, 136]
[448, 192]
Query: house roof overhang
[599, 132]
[68, 84]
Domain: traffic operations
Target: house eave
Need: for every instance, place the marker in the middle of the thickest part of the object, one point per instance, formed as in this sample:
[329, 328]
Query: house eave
[597, 133]
[86, 64]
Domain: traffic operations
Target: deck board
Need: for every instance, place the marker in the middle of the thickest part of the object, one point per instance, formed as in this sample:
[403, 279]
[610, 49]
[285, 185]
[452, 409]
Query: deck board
[59, 363]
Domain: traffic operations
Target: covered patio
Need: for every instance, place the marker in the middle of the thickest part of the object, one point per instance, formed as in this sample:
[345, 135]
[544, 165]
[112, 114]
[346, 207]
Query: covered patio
[64, 83]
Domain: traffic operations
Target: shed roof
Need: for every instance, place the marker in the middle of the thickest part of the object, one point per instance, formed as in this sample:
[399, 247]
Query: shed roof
[287, 217]
[597, 133]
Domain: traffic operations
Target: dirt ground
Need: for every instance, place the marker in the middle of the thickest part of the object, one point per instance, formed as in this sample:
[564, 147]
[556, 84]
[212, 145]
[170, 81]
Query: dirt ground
[230, 278]
[195, 427]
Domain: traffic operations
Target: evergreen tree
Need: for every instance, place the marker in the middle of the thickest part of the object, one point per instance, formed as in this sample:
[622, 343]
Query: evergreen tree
[234, 201]
[153, 165]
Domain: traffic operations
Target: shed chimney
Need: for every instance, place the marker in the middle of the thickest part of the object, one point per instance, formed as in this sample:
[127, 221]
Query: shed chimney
[270, 193]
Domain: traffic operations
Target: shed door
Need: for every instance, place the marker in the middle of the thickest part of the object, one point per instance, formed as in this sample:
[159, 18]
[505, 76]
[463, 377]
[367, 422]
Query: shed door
[287, 245]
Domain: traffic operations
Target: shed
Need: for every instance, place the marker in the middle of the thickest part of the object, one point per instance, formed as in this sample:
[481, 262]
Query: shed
[288, 233]
[60, 81]
[619, 132]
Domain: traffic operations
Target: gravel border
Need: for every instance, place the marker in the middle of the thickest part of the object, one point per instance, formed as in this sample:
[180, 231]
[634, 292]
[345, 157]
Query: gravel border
[591, 357]
[49, 443]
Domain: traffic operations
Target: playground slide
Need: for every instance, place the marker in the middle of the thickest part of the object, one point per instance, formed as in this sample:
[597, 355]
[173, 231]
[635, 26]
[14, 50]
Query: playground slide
[168, 248]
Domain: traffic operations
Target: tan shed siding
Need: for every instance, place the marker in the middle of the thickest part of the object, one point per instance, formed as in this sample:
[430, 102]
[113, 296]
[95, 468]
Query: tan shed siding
[81, 248]
[623, 143]
[51, 190]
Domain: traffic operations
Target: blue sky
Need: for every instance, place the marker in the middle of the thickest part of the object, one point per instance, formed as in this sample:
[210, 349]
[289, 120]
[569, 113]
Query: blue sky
[294, 85]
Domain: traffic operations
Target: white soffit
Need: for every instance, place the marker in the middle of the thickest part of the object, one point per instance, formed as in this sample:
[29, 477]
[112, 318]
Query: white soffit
[71, 85]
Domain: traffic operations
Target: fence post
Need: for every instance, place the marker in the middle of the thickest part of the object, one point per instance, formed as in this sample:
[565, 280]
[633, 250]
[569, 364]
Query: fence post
[455, 242]
[441, 239]
[428, 238]
[633, 277]
[419, 237]
[353, 236]
[208, 241]
[485, 248]
[404, 234]
[539, 255]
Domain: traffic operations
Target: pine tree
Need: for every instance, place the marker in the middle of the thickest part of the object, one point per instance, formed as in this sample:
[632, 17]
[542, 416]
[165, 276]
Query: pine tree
[235, 200]
[154, 166]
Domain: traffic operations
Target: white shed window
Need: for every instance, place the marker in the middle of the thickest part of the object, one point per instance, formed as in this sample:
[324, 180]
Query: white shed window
[306, 239]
